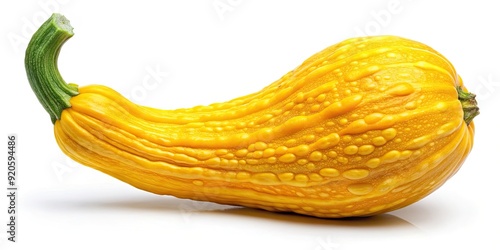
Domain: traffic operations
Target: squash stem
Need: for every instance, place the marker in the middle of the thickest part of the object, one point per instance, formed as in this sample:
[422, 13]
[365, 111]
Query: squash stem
[41, 66]
[469, 105]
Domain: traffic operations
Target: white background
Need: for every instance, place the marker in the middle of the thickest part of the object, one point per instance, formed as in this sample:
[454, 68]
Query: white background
[171, 55]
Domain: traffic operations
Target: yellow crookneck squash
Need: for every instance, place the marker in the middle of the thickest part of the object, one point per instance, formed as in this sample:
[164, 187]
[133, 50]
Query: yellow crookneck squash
[365, 126]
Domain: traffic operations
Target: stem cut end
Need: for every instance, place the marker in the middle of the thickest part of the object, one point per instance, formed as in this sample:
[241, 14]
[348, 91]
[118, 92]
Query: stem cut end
[469, 105]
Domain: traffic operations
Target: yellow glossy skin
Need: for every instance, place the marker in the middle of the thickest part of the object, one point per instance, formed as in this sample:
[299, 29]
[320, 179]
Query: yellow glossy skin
[363, 127]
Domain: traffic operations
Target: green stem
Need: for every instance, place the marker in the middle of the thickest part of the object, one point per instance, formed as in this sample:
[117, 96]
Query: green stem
[469, 105]
[41, 66]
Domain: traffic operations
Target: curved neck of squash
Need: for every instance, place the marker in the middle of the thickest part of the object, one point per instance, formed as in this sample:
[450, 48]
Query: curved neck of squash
[41, 66]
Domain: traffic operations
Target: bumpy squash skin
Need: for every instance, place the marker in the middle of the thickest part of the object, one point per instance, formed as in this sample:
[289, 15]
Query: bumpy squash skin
[363, 127]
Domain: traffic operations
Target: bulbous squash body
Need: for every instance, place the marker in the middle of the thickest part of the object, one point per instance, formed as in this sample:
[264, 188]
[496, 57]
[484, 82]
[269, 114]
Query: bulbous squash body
[363, 127]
